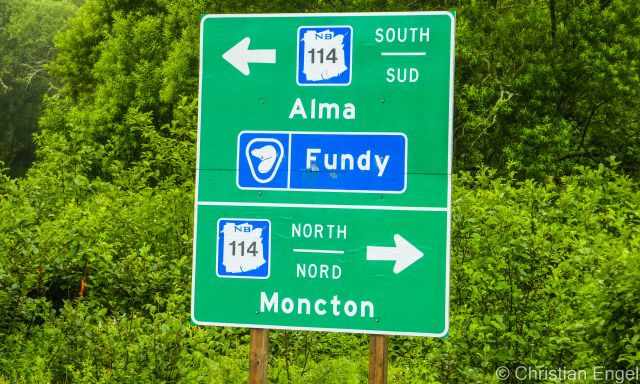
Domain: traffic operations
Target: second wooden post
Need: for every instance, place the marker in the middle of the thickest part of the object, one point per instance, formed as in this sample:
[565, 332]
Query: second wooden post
[378, 359]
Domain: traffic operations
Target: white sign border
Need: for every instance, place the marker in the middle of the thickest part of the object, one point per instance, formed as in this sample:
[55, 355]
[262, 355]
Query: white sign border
[445, 331]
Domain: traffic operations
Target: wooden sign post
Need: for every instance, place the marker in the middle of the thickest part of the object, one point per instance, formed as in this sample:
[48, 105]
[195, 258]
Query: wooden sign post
[258, 356]
[378, 359]
[287, 173]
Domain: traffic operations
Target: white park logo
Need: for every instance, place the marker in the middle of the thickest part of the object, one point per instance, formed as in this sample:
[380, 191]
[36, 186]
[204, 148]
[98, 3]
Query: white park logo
[268, 153]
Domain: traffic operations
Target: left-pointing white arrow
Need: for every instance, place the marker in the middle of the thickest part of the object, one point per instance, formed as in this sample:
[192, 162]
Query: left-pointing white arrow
[404, 254]
[240, 56]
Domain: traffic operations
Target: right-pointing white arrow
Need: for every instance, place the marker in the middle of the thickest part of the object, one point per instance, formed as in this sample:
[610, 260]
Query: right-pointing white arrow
[240, 56]
[404, 254]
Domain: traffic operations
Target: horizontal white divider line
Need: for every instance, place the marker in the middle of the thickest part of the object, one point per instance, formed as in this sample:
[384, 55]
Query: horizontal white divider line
[403, 53]
[331, 251]
[323, 206]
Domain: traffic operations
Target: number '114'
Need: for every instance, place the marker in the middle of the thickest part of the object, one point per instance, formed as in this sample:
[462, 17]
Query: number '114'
[331, 55]
[240, 245]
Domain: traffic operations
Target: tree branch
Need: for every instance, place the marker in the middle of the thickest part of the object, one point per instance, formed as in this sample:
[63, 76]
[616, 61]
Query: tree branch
[588, 122]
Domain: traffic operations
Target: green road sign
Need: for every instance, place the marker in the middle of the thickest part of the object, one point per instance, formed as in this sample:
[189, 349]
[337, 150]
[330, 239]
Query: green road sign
[323, 187]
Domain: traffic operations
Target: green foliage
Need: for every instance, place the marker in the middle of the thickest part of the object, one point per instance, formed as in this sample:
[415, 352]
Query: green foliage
[82, 345]
[546, 85]
[95, 241]
[542, 275]
[533, 279]
[541, 86]
[27, 28]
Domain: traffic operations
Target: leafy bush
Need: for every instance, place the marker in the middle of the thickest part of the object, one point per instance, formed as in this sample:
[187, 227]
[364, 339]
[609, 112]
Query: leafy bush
[542, 275]
[95, 241]
[27, 28]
